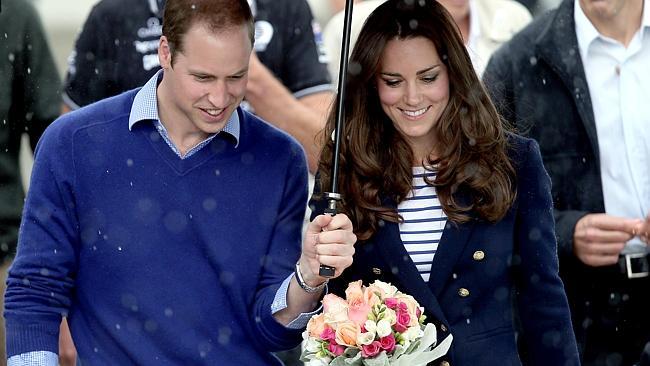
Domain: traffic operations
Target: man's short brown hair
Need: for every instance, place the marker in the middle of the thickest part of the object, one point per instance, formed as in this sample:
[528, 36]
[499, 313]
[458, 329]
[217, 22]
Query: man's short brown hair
[217, 15]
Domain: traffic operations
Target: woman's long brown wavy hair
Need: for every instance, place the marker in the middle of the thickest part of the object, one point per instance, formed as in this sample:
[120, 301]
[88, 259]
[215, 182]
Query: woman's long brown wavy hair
[376, 161]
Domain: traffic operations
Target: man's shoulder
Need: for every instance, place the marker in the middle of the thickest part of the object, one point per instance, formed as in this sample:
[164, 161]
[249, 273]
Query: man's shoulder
[263, 135]
[113, 110]
[524, 42]
[117, 7]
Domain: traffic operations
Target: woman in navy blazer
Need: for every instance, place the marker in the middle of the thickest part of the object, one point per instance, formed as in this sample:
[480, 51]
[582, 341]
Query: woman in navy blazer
[414, 104]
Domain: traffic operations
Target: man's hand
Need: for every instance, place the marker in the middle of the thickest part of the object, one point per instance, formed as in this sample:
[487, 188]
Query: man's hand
[642, 230]
[329, 240]
[598, 239]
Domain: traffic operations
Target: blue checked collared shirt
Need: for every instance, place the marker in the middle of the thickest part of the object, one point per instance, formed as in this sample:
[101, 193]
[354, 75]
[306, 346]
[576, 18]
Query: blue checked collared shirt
[145, 108]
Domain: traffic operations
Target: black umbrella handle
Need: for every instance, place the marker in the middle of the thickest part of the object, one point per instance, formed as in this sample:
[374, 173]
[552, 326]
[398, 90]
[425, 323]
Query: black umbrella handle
[332, 199]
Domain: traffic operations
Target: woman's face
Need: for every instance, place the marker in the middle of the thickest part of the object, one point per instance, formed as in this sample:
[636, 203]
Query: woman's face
[413, 88]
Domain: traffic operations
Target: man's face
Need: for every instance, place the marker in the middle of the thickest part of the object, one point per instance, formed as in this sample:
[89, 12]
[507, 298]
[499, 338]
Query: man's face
[206, 81]
[602, 9]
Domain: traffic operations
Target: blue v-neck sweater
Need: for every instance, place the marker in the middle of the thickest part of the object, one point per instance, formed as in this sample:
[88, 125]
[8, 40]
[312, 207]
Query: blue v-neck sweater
[156, 260]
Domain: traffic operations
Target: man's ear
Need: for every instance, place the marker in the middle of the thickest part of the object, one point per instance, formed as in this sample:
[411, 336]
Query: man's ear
[165, 53]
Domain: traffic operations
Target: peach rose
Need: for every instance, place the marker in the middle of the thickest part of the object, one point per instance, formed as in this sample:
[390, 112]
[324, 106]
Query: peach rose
[316, 325]
[412, 306]
[335, 310]
[354, 292]
[347, 333]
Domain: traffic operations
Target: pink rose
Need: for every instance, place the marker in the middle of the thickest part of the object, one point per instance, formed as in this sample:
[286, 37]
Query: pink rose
[402, 322]
[402, 307]
[336, 349]
[388, 343]
[412, 306]
[328, 334]
[358, 312]
[371, 350]
[391, 302]
[335, 310]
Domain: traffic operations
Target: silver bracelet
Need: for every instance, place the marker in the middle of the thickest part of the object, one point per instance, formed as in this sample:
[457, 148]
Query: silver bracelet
[304, 285]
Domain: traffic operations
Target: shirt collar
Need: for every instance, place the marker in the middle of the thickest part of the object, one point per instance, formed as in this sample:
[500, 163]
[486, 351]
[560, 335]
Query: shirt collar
[587, 33]
[145, 108]
[585, 30]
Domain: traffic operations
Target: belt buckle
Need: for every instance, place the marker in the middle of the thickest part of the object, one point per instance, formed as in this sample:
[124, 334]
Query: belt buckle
[634, 257]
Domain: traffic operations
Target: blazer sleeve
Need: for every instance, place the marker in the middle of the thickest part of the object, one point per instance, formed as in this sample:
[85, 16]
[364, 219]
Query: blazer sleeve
[548, 337]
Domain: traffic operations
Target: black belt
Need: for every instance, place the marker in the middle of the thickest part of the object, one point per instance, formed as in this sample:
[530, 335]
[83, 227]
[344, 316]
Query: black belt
[634, 265]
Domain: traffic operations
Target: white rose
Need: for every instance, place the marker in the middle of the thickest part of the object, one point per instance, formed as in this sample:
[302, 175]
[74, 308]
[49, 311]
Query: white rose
[383, 328]
[388, 289]
[413, 333]
[371, 326]
[312, 345]
[365, 338]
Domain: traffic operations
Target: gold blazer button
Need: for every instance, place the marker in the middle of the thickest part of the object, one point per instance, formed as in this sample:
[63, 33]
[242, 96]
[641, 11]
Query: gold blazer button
[376, 270]
[463, 292]
[479, 255]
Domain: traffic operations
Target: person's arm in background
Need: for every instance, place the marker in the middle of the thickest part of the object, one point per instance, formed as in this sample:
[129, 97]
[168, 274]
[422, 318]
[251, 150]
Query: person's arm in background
[87, 79]
[298, 100]
[302, 117]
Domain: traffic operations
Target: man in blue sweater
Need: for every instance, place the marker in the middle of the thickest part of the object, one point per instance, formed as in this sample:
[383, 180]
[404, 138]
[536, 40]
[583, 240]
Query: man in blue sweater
[165, 222]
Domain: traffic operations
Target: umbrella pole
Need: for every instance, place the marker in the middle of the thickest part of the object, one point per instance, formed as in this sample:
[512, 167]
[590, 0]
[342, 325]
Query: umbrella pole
[333, 197]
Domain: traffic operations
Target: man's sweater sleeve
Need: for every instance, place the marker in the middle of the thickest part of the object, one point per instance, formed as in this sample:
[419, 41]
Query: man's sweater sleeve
[42, 275]
[282, 255]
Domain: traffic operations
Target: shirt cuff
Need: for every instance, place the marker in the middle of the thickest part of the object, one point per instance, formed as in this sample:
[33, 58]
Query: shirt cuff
[36, 358]
[280, 303]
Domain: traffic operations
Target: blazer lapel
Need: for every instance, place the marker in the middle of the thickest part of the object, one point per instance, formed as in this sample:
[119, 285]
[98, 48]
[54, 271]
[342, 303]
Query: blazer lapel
[453, 242]
[392, 249]
[558, 46]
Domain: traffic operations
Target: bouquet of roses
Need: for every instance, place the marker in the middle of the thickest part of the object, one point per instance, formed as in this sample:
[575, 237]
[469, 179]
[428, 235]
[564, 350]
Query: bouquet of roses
[374, 325]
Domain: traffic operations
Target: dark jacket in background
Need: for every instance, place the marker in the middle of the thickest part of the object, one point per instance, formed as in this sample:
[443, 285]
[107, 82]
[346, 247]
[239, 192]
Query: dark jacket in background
[29, 101]
[538, 83]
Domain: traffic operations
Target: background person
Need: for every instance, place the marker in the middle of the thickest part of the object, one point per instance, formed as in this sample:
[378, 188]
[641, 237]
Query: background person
[576, 81]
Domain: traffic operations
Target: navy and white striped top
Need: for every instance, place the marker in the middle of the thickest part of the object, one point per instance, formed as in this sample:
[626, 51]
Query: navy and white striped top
[424, 221]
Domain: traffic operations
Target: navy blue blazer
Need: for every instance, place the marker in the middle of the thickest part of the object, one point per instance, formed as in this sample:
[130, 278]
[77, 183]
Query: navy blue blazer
[484, 276]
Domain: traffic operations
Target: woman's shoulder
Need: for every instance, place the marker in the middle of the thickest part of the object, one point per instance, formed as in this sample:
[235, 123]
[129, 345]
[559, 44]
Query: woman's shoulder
[521, 149]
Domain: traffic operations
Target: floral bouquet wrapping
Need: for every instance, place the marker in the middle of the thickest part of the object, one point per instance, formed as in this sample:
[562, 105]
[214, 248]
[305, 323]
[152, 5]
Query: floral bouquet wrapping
[374, 325]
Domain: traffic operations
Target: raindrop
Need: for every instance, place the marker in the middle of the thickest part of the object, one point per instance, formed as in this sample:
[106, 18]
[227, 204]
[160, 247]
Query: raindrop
[55, 251]
[413, 24]
[131, 184]
[29, 47]
[95, 349]
[209, 204]
[4, 247]
[467, 320]
[533, 60]
[191, 217]
[544, 81]
[129, 162]
[354, 68]
[51, 294]
[11, 57]
[150, 326]
[45, 272]
[584, 160]
[217, 172]
[108, 171]
[454, 276]
[117, 42]
[472, 141]
[25, 282]
[118, 327]
[258, 319]
[169, 312]
[224, 335]
[394, 270]
[193, 6]
[105, 237]
[94, 247]
[119, 249]
[6, 35]
[96, 72]
[29, 70]
[4, 121]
